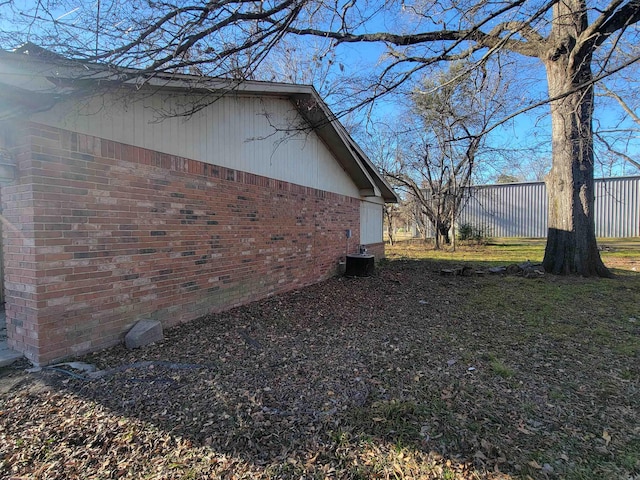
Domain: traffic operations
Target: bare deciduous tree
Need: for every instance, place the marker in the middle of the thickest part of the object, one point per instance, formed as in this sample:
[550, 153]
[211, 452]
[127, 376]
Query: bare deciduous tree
[435, 160]
[391, 211]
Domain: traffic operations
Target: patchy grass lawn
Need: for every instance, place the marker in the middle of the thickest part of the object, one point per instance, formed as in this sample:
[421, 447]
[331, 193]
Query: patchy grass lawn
[621, 253]
[405, 374]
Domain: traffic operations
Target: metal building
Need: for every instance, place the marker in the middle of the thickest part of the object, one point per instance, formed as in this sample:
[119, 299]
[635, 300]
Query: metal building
[520, 209]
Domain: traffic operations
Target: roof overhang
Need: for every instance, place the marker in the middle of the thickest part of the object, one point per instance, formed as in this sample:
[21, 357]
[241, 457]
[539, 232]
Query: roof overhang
[34, 79]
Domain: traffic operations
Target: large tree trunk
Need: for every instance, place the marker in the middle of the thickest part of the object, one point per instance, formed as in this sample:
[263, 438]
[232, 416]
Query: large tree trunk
[571, 241]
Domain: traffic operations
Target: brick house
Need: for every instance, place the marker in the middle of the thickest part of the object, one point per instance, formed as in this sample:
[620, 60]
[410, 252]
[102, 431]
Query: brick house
[129, 196]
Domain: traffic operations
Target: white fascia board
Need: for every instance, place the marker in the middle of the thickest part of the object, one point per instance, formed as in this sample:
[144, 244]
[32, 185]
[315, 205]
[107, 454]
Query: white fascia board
[182, 82]
[359, 157]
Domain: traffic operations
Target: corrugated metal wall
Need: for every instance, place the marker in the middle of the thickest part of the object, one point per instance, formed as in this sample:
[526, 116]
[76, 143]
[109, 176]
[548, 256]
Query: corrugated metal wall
[520, 209]
[618, 207]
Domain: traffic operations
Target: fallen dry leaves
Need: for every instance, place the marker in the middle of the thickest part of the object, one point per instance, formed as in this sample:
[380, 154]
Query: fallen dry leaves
[390, 376]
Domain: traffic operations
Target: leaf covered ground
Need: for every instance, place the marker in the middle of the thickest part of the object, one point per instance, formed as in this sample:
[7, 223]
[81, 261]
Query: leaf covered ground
[404, 374]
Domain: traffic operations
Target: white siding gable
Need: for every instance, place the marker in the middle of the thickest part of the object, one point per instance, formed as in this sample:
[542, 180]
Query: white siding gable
[261, 135]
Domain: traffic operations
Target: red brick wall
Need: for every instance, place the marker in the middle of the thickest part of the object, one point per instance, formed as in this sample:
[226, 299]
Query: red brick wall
[104, 234]
[19, 252]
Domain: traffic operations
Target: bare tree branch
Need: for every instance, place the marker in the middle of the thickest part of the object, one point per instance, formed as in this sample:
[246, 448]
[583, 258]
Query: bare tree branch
[621, 102]
[619, 153]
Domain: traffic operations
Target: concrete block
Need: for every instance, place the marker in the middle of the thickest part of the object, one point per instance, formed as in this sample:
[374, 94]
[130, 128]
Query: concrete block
[143, 333]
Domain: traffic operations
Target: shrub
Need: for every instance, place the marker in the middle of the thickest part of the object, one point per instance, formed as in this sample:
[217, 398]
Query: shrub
[471, 233]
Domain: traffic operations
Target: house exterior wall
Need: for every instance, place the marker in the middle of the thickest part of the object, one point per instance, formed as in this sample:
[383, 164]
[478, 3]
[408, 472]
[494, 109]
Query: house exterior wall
[100, 234]
[261, 135]
[370, 222]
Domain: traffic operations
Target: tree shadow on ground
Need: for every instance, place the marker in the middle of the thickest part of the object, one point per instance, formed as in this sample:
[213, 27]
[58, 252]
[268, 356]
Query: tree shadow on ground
[354, 378]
